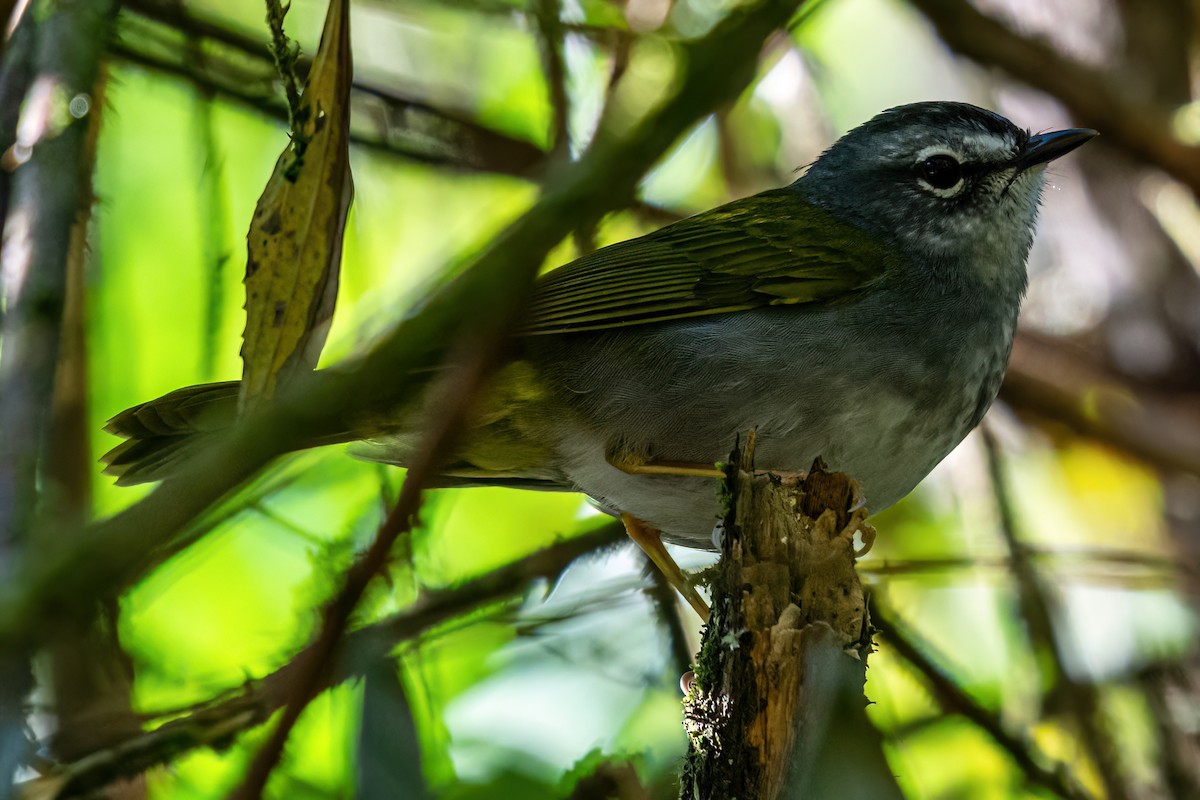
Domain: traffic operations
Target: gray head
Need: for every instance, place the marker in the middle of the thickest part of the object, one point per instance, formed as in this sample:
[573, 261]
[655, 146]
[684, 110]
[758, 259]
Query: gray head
[950, 184]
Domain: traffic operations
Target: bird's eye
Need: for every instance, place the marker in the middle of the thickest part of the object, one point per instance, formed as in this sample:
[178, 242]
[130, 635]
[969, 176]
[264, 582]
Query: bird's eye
[941, 171]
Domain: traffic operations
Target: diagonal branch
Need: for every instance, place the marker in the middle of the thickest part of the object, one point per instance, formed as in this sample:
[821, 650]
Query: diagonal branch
[215, 724]
[1097, 97]
[952, 698]
[1050, 381]
[59, 583]
[547, 16]
[1039, 612]
[240, 68]
[455, 399]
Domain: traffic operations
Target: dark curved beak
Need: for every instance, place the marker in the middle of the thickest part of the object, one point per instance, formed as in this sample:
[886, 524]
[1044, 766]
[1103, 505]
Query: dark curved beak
[1049, 146]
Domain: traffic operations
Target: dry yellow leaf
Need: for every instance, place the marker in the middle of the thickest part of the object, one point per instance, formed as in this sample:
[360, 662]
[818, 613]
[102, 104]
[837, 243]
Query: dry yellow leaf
[294, 246]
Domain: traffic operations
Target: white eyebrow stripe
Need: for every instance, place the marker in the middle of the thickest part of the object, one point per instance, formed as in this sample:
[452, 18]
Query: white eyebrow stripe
[990, 144]
[939, 150]
[988, 141]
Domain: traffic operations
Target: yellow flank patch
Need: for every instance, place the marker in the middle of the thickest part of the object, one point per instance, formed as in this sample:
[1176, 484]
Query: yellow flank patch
[500, 442]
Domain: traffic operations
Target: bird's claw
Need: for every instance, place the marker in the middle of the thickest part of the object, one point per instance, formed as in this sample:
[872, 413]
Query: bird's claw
[858, 526]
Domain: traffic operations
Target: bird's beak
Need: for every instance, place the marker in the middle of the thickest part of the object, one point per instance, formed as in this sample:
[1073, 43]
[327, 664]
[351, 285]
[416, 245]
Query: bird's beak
[1049, 146]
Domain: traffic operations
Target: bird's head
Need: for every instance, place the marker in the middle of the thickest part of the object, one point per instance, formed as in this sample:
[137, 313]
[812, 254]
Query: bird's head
[950, 184]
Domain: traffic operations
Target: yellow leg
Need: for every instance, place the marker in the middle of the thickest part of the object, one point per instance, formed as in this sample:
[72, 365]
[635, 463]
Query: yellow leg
[635, 466]
[631, 465]
[650, 541]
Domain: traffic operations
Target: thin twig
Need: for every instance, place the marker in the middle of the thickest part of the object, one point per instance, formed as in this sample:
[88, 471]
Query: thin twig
[285, 53]
[547, 16]
[1038, 612]
[402, 125]
[952, 698]
[453, 405]
[1151, 568]
[57, 583]
[217, 722]
[484, 150]
[1097, 96]
[215, 216]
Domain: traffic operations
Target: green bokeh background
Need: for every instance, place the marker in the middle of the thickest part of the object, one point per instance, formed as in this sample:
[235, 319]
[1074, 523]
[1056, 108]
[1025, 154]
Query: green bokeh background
[506, 703]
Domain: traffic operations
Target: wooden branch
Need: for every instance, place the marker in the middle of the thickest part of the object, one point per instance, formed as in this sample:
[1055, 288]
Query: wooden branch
[1097, 96]
[455, 397]
[218, 722]
[49, 196]
[1055, 384]
[240, 68]
[547, 16]
[1039, 609]
[1054, 777]
[775, 709]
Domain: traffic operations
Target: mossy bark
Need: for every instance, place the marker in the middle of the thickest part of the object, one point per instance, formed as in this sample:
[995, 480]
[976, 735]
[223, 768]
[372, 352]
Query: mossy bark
[779, 678]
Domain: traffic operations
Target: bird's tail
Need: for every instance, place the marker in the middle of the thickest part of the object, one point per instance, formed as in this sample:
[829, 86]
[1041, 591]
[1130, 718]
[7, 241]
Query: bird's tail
[161, 435]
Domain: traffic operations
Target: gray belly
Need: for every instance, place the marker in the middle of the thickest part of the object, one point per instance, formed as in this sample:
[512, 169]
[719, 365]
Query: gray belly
[882, 402]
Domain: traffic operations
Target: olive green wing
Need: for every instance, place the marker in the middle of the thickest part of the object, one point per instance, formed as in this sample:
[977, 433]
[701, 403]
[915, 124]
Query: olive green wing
[767, 250]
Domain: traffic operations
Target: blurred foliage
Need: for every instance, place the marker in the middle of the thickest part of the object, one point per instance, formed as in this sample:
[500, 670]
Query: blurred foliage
[522, 701]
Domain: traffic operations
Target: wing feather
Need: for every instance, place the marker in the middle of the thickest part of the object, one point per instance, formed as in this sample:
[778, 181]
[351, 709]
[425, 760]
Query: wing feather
[770, 249]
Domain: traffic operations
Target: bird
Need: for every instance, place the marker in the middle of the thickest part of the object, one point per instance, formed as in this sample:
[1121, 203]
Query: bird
[863, 314]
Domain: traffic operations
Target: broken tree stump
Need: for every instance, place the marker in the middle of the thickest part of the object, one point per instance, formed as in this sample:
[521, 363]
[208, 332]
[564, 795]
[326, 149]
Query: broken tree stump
[776, 707]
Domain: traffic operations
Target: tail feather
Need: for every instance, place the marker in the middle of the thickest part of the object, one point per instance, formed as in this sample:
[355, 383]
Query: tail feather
[160, 434]
[501, 450]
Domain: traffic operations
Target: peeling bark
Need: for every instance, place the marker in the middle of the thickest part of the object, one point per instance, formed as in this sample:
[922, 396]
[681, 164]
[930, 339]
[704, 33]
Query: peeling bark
[776, 708]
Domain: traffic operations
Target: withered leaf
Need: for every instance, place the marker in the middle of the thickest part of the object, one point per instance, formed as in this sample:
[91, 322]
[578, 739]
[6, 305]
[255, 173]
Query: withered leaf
[294, 245]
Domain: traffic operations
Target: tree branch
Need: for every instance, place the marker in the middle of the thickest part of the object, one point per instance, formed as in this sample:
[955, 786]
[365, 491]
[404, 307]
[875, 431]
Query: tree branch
[215, 724]
[1038, 612]
[1096, 97]
[1049, 381]
[547, 15]
[50, 196]
[454, 400]
[241, 68]
[57, 583]
[953, 699]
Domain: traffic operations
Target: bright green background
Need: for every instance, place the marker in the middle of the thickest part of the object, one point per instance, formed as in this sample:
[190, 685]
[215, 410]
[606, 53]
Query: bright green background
[508, 704]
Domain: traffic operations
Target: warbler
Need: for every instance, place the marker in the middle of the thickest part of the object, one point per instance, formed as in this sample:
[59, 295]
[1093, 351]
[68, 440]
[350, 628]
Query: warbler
[864, 314]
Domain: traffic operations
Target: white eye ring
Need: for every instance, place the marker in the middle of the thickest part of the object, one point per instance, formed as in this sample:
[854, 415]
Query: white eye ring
[945, 154]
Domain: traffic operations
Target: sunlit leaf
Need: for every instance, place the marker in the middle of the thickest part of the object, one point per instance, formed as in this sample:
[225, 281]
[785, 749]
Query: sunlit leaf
[294, 245]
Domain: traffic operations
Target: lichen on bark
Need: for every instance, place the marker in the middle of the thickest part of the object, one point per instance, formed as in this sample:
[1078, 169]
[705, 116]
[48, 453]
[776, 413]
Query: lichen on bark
[767, 695]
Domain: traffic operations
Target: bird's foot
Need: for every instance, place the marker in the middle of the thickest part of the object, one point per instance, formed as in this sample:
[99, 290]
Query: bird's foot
[650, 540]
